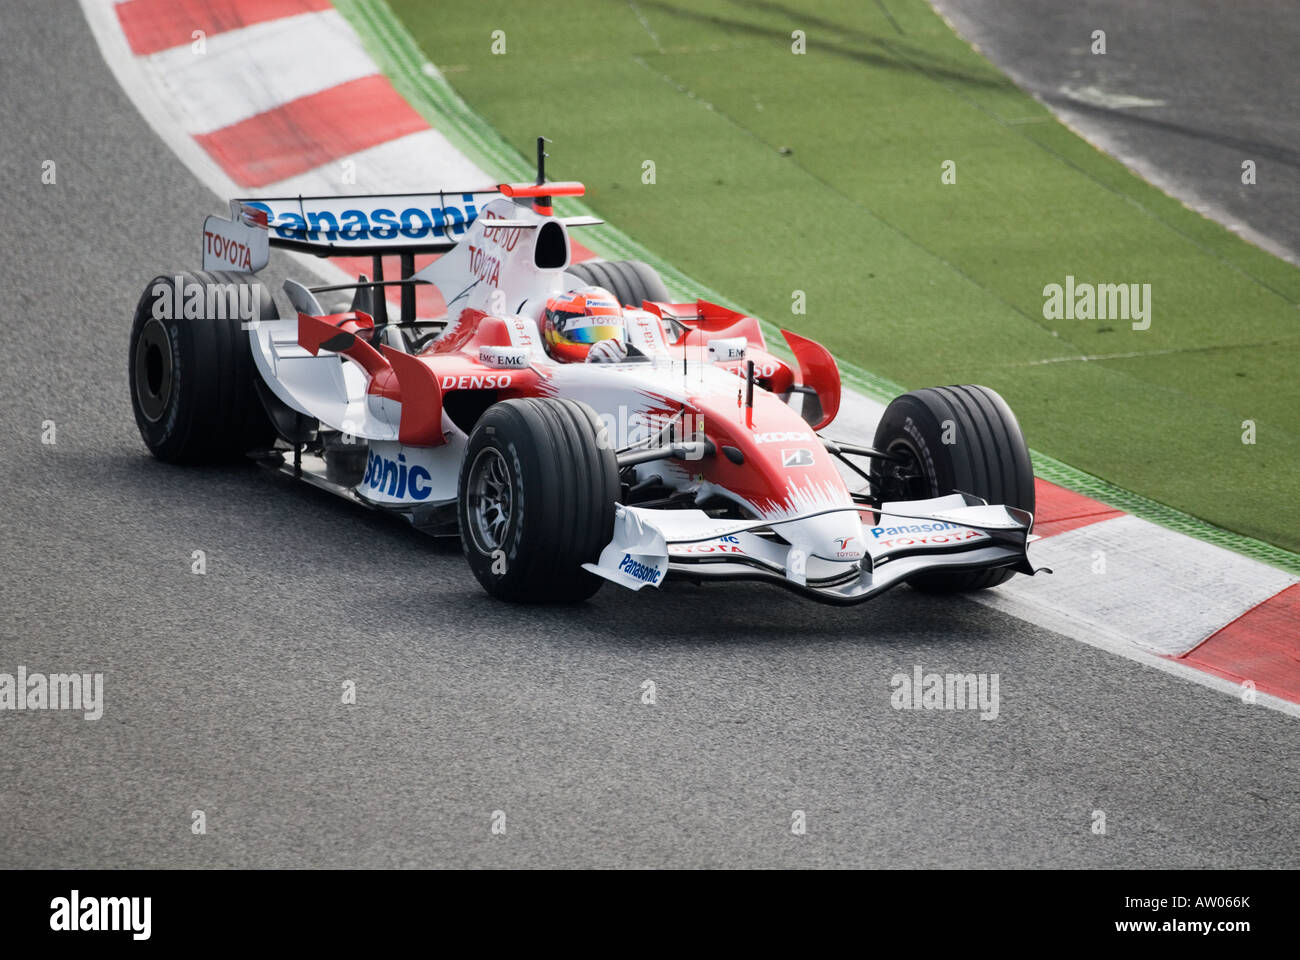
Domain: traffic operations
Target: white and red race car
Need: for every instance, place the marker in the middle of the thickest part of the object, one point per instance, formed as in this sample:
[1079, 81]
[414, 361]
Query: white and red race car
[695, 454]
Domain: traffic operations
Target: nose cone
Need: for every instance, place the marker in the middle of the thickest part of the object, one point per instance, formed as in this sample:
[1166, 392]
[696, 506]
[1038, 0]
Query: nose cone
[832, 536]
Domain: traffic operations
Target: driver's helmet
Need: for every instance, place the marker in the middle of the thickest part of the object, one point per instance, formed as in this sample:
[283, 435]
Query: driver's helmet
[576, 320]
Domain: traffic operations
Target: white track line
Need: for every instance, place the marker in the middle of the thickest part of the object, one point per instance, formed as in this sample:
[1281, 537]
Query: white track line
[164, 115]
[1024, 605]
[1164, 591]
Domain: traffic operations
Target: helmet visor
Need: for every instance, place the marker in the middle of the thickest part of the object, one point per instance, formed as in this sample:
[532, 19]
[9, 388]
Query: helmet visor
[593, 333]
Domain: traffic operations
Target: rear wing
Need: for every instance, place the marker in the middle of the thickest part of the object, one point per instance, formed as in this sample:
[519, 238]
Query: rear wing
[361, 225]
[397, 223]
[374, 225]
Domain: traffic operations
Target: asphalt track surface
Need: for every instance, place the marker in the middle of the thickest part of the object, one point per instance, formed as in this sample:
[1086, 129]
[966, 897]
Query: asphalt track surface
[1186, 91]
[223, 690]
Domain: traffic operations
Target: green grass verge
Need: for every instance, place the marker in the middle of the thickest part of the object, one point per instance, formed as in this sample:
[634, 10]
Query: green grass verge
[776, 172]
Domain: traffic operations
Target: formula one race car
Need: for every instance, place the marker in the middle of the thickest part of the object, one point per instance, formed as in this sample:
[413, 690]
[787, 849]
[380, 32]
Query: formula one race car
[571, 422]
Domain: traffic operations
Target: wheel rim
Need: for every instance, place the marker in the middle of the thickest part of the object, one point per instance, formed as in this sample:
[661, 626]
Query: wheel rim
[490, 500]
[893, 480]
[153, 370]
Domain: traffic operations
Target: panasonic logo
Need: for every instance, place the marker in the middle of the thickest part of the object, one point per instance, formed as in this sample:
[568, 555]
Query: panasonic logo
[392, 477]
[640, 571]
[376, 223]
[914, 528]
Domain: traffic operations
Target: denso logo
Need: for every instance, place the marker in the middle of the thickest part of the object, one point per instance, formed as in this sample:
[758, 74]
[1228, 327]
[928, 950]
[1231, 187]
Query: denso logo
[400, 482]
[782, 437]
[376, 223]
[507, 237]
[639, 571]
[914, 528]
[476, 381]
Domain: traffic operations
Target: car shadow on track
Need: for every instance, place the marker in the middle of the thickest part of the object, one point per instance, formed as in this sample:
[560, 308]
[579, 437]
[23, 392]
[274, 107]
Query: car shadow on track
[280, 527]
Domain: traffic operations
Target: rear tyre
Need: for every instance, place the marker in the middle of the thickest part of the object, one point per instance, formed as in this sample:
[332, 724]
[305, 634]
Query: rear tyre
[192, 379]
[631, 281]
[537, 494]
[985, 454]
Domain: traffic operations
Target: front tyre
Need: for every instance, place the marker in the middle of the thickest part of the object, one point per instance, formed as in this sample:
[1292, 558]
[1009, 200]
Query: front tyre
[537, 493]
[953, 439]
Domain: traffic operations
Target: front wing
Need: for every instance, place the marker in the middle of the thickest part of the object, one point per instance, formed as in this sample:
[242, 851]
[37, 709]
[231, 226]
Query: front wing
[958, 531]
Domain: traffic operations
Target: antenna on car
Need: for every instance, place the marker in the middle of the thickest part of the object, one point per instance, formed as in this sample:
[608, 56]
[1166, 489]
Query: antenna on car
[686, 352]
[541, 160]
[542, 205]
[703, 358]
[749, 393]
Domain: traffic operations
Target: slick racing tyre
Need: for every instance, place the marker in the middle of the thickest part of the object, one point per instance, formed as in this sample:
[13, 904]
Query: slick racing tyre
[537, 494]
[192, 377]
[953, 439]
[631, 281]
